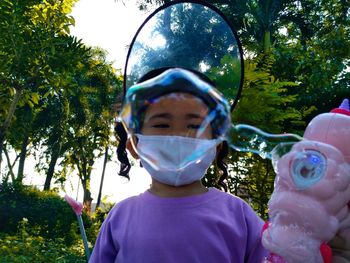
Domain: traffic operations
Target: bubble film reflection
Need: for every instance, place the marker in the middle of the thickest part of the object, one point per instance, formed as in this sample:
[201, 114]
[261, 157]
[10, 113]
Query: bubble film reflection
[178, 117]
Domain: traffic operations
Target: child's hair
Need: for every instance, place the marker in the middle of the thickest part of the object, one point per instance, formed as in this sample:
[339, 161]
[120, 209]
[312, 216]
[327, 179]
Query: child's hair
[221, 164]
[122, 135]
[122, 155]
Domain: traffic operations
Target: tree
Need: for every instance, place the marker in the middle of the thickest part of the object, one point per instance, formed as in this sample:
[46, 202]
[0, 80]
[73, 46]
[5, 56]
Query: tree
[266, 104]
[50, 127]
[254, 20]
[314, 51]
[32, 35]
[57, 93]
[91, 117]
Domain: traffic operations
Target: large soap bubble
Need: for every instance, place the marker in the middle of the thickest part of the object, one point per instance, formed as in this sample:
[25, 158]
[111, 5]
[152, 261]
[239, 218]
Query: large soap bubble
[190, 35]
[246, 138]
[178, 55]
[181, 62]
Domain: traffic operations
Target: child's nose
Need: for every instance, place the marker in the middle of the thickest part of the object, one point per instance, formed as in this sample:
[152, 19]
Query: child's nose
[180, 131]
[183, 134]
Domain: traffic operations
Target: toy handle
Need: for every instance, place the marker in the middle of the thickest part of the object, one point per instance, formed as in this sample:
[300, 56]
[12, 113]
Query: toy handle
[325, 249]
[273, 258]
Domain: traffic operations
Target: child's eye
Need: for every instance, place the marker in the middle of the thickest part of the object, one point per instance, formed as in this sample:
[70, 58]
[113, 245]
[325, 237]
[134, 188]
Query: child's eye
[161, 126]
[193, 126]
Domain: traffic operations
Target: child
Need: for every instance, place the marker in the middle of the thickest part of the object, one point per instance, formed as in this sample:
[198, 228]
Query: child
[176, 122]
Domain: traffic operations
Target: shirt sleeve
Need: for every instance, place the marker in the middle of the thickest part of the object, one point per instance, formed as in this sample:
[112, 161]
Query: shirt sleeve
[105, 250]
[255, 253]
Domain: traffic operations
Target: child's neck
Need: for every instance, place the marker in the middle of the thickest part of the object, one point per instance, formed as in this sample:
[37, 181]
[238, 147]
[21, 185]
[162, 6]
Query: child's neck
[164, 190]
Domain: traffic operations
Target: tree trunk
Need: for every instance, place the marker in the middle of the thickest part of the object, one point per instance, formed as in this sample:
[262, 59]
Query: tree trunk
[267, 41]
[102, 178]
[8, 119]
[87, 194]
[50, 172]
[56, 151]
[10, 167]
[2, 138]
[22, 158]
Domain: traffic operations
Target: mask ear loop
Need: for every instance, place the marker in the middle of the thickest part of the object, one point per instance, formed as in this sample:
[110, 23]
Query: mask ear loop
[133, 143]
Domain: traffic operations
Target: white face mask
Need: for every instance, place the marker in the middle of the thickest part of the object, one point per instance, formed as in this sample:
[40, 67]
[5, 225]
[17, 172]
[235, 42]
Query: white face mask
[176, 160]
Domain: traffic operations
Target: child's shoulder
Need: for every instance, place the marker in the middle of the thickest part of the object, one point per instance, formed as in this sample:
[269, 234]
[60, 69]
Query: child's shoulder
[125, 205]
[228, 197]
[232, 202]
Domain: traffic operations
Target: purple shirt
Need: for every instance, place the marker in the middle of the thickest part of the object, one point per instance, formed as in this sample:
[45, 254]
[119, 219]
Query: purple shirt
[210, 227]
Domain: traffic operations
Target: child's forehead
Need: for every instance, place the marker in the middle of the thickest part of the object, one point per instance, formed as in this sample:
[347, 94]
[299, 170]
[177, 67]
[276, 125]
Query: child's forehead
[178, 97]
[177, 104]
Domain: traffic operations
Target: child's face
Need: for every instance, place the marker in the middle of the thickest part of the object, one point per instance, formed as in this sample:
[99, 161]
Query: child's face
[179, 114]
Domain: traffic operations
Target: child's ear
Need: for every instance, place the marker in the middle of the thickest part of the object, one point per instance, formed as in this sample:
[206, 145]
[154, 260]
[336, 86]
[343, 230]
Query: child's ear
[131, 148]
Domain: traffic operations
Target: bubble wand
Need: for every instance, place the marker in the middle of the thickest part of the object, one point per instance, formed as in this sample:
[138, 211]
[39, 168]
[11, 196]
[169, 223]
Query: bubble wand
[77, 208]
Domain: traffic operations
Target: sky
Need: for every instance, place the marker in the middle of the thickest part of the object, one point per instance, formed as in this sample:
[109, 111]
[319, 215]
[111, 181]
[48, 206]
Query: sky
[111, 25]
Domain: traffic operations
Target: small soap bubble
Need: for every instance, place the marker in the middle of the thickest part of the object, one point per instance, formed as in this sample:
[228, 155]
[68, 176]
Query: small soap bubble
[247, 138]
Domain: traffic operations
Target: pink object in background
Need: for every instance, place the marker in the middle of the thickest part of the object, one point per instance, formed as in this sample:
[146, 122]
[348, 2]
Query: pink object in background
[309, 205]
[344, 108]
[331, 128]
[76, 206]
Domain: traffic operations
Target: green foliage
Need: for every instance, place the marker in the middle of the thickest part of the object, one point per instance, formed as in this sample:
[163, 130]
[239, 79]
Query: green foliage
[96, 220]
[39, 226]
[61, 85]
[315, 52]
[266, 104]
[25, 248]
[48, 214]
[309, 40]
[252, 179]
[37, 50]
[194, 38]
[265, 101]
[88, 126]
[227, 76]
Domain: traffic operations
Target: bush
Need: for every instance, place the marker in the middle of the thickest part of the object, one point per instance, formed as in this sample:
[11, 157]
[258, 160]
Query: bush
[47, 213]
[23, 248]
[96, 220]
[37, 226]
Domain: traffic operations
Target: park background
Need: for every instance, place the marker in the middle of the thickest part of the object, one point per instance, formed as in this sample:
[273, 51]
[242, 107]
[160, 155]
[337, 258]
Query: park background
[61, 65]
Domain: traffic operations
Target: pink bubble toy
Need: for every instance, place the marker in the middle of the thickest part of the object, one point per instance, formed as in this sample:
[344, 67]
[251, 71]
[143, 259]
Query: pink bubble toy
[310, 202]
